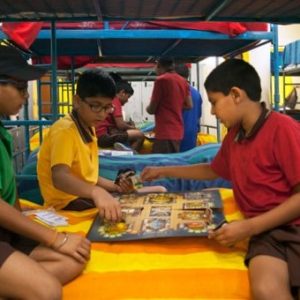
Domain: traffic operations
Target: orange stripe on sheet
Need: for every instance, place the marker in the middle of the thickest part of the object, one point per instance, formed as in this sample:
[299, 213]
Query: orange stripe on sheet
[160, 284]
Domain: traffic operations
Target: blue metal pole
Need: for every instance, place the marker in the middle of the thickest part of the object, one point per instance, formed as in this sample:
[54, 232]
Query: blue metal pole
[54, 72]
[25, 122]
[27, 138]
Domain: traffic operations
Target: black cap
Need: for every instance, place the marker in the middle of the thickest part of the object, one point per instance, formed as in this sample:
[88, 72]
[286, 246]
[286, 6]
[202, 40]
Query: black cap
[13, 64]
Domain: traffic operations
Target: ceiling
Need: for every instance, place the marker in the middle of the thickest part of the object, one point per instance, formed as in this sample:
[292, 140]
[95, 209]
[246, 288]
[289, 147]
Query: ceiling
[271, 11]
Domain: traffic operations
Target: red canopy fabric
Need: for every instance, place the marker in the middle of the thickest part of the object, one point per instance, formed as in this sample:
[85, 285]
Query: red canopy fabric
[22, 33]
[65, 62]
[121, 65]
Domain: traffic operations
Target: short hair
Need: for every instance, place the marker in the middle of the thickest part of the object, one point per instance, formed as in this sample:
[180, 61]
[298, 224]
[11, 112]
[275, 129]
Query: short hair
[95, 83]
[125, 86]
[166, 63]
[115, 76]
[182, 70]
[234, 73]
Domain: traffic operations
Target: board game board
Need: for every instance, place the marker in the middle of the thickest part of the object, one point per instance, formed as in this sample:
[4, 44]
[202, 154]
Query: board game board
[157, 215]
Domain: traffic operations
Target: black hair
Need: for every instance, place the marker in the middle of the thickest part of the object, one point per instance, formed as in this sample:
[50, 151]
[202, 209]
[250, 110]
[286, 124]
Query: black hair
[234, 73]
[95, 83]
[125, 86]
[115, 76]
[167, 63]
[182, 70]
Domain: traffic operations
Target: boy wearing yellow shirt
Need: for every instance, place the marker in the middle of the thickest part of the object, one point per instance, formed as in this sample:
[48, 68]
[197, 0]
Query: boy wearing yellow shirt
[68, 159]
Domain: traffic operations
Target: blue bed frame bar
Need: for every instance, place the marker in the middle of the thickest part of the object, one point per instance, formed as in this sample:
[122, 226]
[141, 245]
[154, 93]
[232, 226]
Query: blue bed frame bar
[151, 34]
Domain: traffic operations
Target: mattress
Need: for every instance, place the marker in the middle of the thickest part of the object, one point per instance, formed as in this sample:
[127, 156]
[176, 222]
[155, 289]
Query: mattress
[173, 268]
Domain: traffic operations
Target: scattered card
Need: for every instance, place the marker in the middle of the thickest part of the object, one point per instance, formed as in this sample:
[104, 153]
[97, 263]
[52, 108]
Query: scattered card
[51, 218]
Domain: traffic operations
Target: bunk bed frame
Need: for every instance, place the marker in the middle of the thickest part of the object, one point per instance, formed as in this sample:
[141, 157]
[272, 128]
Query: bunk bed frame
[141, 45]
[291, 67]
[282, 11]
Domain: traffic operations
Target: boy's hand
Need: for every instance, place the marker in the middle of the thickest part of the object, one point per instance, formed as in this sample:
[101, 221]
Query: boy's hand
[73, 245]
[151, 173]
[131, 123]
[231, 233]
[109, 207]
[125, 184]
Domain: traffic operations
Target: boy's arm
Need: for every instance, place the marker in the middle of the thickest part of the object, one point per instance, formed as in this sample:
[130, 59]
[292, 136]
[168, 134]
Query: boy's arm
[17, 204]
[76, 246]
[124, 185]
[157, 95]
[188, 102]
[13, 220]
[121, 124]
[197, 171]
[282, 214]
[107, 184]
[152, 107]
[64, 180]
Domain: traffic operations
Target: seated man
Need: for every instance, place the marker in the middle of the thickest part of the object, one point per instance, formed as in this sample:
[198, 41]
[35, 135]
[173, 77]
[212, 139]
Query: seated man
[114, 129]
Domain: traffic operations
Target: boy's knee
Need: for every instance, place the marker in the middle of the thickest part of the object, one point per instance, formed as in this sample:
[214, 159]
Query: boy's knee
[49, 289]
[72, 268]
[267, 290]
[141, 135]
[259, 292]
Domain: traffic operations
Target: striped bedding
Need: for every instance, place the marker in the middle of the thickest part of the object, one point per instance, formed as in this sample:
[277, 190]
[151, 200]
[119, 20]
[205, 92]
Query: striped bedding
[174, 268]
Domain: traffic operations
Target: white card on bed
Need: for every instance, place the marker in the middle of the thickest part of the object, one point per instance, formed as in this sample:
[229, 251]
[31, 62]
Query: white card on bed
[51, 218]
[114, 152]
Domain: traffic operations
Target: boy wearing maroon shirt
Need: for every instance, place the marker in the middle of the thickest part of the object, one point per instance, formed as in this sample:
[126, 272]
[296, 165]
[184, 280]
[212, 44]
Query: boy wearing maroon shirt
[259, 155]
[114, 129]
[171, 94]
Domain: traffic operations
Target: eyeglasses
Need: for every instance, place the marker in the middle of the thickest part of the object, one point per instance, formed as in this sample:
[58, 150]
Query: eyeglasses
[99, 108]
[21, 86]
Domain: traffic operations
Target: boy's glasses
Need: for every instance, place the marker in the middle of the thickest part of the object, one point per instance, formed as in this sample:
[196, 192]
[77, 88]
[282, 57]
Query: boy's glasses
[99, 108]
[21, 86]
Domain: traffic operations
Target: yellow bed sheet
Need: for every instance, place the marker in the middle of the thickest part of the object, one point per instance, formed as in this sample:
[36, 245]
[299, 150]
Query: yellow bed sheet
[173, 268]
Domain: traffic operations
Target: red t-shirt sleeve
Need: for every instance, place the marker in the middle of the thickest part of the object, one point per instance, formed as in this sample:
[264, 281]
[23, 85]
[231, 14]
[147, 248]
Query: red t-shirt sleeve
[117, 108]
[221, 162]
[287, 151]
